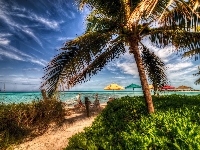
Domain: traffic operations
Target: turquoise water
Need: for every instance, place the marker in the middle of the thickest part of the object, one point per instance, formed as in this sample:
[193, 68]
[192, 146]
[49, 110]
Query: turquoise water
[71, 96]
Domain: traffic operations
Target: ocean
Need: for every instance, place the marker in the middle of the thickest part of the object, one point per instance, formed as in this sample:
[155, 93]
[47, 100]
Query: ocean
[71, 96]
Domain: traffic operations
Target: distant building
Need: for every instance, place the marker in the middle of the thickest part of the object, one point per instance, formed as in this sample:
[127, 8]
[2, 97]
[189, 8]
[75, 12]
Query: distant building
[184, 88]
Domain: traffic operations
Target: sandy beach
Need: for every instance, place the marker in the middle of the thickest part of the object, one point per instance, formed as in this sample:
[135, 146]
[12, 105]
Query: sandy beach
[56, 138]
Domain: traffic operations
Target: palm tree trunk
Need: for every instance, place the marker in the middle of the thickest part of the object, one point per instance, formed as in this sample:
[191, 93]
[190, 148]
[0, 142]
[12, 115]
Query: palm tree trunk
[145, 87]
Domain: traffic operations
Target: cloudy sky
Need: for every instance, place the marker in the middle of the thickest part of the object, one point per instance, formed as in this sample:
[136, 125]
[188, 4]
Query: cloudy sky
[31, 32]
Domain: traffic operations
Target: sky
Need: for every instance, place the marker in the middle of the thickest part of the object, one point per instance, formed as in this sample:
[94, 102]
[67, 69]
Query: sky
[32, 32]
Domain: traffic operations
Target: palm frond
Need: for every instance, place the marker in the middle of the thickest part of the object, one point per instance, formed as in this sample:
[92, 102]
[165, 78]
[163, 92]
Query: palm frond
[78, 53]
[107, 7]
[82, 58]
[54, 71]
[101, 23]
[194, 4]
[180, 15]
[197, 74]
[197, 81]
[184, 41]
[194, 52]
[145, 6]
[159, 8]
[154, 67]
[97, 64]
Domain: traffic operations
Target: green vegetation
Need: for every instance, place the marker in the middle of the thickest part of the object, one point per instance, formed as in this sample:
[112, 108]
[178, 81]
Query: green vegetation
[126, 124]
[114, 27]
[19, 121]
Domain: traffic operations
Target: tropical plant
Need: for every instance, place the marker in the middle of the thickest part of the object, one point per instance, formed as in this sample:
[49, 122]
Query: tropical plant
[114, 25]
[156, 73]
[125, 124]
[25, 120]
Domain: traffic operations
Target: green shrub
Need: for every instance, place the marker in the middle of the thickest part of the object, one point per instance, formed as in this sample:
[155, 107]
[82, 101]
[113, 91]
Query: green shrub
[125, 124]
[17, 121]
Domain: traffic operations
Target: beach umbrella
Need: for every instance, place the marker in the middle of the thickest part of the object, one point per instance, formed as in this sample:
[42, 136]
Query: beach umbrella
[113, 87]
[151, 86]
[133, 86]
[167, 87]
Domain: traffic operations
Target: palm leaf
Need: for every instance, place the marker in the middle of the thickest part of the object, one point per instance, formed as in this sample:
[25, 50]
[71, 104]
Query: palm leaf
[97, 65]
[101, 23]
[197, 81]
[181, 39]
[77, 62]
[78, 53]
[194, 52]
[180, 15]
[54, 70]
[154, 67]
[187, 43]
[106, 7]
[197, 74]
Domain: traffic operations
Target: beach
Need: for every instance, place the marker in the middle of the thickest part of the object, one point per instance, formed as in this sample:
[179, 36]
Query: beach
[56, 138]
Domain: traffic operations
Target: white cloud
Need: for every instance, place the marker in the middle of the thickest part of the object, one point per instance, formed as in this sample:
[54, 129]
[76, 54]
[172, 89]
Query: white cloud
[18, 55]
[11, 55]
[32, 69]
[49, 23]
[15, 75]
[4, 35]
[165, 53]
[119, 77]
[40, 62]
[31, 34]
[128, 68]
[71, 15]
[23, 79]
[178, 66]
[4, 41]
[14, 26]
[183, 73]
[52, 24]
[65, 38]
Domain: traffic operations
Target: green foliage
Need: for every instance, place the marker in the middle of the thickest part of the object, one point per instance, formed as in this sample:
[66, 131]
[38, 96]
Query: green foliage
[103, 6]
[125, 124]
[18, 121]
[197, 74]
[106, 38]
[155, 68]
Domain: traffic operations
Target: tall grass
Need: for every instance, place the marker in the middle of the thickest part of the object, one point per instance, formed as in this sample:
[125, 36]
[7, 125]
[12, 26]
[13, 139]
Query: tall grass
[19, 121]
[125, 124]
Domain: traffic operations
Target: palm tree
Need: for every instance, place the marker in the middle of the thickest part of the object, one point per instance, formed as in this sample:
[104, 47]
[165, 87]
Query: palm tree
[112, 26]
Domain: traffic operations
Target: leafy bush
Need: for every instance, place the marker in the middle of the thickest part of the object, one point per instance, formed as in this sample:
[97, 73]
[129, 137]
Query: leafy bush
[125, 124]
[17, 121]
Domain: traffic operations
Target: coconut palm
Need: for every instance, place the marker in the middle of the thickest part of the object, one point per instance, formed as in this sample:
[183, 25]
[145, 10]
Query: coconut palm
[113, 27]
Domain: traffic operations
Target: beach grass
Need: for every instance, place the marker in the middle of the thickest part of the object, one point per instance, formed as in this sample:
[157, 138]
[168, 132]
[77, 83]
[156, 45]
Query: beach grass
[125, 124]
[20, 121]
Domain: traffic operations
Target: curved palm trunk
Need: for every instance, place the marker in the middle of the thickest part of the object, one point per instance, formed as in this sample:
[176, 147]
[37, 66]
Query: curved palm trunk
[145, 87]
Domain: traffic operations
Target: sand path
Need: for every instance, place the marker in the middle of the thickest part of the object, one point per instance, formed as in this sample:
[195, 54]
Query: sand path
[56, 138]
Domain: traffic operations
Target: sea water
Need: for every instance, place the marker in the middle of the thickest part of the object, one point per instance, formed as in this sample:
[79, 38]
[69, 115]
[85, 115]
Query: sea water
[71, 96]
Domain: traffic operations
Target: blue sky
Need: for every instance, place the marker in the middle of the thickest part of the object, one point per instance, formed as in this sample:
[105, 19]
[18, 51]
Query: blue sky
[31, 32]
